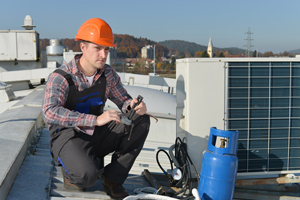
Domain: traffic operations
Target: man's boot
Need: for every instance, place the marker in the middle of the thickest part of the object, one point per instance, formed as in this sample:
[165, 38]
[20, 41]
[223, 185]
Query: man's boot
[114, 190]
[69, 186]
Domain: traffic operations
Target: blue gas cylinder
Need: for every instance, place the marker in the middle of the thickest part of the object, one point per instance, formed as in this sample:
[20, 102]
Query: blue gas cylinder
[219, 166]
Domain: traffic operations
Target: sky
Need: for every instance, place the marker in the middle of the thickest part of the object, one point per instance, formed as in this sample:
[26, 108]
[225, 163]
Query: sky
[274, 24]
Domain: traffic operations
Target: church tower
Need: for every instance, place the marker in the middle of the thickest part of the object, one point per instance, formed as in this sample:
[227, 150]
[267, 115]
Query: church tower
[210, 48]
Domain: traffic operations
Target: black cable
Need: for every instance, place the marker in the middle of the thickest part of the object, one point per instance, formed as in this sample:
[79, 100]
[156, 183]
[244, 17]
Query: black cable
[187, 156]
[185, 162]
[170, 178]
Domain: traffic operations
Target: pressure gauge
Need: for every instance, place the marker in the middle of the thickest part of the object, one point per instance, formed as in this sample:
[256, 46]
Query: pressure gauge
[176, 173]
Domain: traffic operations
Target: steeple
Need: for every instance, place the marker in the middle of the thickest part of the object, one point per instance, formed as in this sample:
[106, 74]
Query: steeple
[210, 48]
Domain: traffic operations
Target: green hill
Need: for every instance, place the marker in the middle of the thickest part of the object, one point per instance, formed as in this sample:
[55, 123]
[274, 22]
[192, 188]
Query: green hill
[296, 51]
[127, 46]
[130, 47]
[181, 46]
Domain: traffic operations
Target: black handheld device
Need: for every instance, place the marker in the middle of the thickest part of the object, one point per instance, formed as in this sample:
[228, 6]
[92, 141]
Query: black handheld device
[127, 120]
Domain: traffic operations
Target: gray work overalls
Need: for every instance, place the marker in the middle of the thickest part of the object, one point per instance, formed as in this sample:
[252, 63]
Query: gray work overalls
[78, 152]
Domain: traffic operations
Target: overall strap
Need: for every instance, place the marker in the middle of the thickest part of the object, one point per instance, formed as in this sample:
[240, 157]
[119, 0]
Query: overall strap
[72, 88]
[101, 78]
[67, 76]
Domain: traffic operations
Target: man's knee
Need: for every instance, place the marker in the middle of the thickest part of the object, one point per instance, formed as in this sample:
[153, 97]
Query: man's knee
[142, 125]
[85, 177]
[145, 121]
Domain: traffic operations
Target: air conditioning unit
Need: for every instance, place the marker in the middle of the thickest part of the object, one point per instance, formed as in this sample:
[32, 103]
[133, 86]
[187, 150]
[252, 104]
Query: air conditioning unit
[259, 97]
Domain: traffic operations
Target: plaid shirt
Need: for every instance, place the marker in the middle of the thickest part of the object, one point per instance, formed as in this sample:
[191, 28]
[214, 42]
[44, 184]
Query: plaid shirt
[57, 89]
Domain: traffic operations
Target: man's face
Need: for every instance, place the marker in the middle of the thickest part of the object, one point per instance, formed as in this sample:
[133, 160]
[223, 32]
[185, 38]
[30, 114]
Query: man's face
[95, 54]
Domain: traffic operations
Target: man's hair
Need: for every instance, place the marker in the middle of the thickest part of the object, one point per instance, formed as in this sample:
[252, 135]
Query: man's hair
[85, 42]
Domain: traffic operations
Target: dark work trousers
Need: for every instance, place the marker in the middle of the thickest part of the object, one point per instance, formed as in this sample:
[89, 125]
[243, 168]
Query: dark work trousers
[79, 154]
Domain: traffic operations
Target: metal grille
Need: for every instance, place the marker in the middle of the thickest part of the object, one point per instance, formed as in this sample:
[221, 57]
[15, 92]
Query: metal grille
[264, 105]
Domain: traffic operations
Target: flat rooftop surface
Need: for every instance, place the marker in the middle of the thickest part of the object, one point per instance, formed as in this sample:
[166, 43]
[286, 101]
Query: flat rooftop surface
[19, 95]
[40, 178]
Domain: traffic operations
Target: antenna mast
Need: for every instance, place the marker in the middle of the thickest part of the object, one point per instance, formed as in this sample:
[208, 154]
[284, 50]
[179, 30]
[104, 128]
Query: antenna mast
[249, 45]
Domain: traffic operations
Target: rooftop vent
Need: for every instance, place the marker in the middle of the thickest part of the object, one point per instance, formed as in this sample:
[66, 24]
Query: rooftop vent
[28, 23]
[6, 93]
[56, 47]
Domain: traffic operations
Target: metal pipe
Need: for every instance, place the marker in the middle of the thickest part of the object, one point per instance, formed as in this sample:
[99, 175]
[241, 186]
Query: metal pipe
[267, 181]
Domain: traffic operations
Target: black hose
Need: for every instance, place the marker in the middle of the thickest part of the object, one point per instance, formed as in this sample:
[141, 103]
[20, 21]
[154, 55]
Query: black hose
[170, 177]
[187, 155]
[185, 162]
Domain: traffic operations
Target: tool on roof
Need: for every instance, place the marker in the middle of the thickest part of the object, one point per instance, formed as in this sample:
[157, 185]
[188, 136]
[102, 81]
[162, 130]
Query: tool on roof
[128, 120]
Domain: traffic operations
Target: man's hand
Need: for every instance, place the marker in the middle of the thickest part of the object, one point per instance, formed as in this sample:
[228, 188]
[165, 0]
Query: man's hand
[107, 116]
[141, 109]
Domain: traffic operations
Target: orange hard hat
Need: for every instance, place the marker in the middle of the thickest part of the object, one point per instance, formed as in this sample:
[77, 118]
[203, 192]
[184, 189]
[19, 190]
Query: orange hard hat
[97, 31]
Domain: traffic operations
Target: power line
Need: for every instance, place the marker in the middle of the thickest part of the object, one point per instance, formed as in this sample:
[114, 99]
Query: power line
[249, 45]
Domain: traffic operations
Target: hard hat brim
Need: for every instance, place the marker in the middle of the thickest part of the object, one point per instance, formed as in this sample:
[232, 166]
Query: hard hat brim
[100, 42]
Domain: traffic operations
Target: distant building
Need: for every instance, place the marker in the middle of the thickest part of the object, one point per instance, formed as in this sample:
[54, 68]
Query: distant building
[210, 48]
[147, 52]
[113, 52]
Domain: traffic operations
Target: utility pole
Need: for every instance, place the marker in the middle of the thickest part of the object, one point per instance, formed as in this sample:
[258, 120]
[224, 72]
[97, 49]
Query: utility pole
[249, 45]
[154, 60]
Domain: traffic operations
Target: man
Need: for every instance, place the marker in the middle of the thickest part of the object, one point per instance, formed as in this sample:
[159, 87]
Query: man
[80, 131]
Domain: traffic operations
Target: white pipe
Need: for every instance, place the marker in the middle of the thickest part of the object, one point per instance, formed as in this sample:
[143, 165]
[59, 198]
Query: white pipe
[195, 194]
[148, 196]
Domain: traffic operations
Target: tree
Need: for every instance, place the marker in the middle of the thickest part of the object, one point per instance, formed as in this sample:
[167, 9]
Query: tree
[285, 53]
[173, 62]
[268, 54]
[159, 65]
[217, 52]
[221, 54]
[204, 54]
[156, 59]
[226, 53]
[130, 47]
[141, 64]
[188, 54]
[121, 54]
[166, 66]
[173, 52]
[198, 54]
[254, 53]
[181, 54]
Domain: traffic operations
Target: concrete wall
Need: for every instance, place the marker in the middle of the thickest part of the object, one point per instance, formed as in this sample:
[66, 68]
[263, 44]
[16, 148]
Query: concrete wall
[18, 125]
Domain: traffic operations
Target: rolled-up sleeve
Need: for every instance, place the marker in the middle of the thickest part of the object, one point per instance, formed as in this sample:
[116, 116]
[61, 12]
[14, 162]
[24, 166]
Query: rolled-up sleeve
[54, 112]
